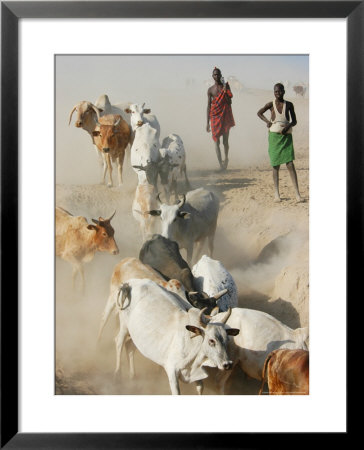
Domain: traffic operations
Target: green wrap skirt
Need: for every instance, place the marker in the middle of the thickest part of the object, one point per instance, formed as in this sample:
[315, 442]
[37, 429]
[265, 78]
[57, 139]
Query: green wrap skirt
[280, 148]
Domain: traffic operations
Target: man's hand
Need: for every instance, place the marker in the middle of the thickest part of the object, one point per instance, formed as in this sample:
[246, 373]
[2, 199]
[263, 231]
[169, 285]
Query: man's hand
[208, 127]
[285, 129]
[269, 124]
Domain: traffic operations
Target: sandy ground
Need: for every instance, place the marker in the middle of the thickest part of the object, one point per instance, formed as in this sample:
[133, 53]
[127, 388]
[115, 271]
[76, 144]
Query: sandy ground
[263, 244]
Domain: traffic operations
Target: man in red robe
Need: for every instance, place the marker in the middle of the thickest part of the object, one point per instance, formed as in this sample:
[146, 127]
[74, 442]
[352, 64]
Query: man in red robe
[219, 115]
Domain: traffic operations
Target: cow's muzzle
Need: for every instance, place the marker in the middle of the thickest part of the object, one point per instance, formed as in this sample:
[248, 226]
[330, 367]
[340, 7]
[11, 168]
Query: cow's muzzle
[78, 124]
[140, 123]
[106, 150]
[115, 252]
[228, 365]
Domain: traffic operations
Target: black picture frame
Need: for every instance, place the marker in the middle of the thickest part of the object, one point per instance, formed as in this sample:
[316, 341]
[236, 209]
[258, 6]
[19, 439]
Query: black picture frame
[11, 12]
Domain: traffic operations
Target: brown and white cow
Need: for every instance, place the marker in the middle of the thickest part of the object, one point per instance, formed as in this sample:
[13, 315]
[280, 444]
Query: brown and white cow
[286, 372]
[77, 241]
[112, 135]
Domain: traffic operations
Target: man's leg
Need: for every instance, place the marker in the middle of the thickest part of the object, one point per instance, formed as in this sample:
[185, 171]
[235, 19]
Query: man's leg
[218, 151]
[277, 198]
[293, 175]
[225, 141]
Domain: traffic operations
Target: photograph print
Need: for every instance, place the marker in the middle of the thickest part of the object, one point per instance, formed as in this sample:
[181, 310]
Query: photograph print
[182, 224]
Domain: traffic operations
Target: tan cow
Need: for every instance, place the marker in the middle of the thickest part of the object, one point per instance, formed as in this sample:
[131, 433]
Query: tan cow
[112, 135]
[286, 372]
[77, 241]
[144, 201]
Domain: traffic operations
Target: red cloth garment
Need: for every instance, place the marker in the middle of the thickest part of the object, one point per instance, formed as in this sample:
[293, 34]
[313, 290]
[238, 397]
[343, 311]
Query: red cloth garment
[221, 115]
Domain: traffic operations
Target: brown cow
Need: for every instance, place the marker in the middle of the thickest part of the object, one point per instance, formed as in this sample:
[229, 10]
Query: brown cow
[287, 372]
[112, 135]
[77, 241]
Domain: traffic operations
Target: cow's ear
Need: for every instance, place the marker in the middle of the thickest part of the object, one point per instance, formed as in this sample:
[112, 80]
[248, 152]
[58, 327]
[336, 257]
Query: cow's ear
[155, 212]
[127, 110]
[92, 227]
[146, 111]
[96, 133]
[232, 332]
[184, 214]
[196, 330]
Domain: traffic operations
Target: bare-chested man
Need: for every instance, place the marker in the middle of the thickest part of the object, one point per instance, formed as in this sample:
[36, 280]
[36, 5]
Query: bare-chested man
[219, 115]
[280, 148]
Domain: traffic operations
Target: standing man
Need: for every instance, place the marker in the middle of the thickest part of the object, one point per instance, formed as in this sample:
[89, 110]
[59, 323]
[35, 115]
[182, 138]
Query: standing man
[220, 115]
[280, 148]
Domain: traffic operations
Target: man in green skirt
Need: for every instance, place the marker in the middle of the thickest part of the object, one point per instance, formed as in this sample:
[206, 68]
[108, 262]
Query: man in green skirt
[280, 148]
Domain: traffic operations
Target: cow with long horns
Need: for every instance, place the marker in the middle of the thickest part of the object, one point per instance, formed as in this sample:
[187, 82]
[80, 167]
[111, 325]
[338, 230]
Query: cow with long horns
[77, 241]
[181, 341]
[190, 221]
[112, 135]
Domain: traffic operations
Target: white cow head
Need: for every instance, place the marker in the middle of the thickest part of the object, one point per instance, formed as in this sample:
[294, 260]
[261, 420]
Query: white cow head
[169, 214]
[86, 113]
[215, 339]
[137, 112]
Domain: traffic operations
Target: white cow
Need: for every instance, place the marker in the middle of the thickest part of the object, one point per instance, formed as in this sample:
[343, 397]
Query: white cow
[145, 154]
[260, 333]
[212, 277]
[192, 220]
[162, 329]
[172, 164]
[140, 115]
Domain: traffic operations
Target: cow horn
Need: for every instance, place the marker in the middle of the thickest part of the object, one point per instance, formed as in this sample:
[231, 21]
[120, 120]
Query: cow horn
[109, 219]
[96, 111]
[95, 221]
[117, 122]
[158, 198]
[220, 294]
[201, 322]
[227, 315]
[182, 201]
[96, 121]
[73, 110]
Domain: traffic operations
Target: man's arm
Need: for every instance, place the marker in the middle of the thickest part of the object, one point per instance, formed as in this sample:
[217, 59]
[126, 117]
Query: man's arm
[261, 112]
[293, 118]
[208, 110]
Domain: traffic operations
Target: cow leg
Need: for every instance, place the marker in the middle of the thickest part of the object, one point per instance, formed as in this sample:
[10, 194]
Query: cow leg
[120, 161]
[173, 381]
[199, 387]
[221, 379]
[109, 166]
[77, 267]
[130, 349]
[103, 181]
[110, 304]
[198, 249]
[119, 342]
[187, 183]
[189, 253]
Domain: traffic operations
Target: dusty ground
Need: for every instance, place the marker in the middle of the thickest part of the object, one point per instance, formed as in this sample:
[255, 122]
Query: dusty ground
[262, 243]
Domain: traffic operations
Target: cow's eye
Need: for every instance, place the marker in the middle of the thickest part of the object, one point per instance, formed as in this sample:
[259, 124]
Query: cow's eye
[212, 342]
[104, 234]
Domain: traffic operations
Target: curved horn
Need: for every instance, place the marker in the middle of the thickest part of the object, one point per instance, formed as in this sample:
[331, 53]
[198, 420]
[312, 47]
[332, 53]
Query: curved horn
[96, 121]
[96, 111]
[182, 201]
[158, 198]
[117, 122]
[95, 221]
[227, 315]
[125, 289]
[220, 294]
[73, 110]
[201, 322]
[109, 219]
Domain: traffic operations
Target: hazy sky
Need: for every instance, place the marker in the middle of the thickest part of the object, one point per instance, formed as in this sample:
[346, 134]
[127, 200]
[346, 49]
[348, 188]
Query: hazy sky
[175, 88]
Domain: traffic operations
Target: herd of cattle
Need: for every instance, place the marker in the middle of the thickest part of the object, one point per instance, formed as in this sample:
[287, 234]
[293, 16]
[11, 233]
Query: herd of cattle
[183, 319]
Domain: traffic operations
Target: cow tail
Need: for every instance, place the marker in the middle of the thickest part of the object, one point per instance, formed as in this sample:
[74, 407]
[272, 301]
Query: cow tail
[264, 371]
[124, 292]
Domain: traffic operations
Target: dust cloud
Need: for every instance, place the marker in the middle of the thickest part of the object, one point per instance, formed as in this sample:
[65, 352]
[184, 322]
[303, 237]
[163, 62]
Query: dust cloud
[264, 246]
